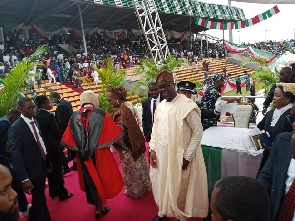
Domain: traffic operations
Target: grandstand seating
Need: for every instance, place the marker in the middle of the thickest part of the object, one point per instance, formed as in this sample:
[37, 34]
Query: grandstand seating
[73, 96]
[216, 66]
[196, 72]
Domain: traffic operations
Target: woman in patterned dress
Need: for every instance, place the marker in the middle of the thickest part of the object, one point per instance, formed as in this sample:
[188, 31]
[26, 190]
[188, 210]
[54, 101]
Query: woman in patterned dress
[132, 158]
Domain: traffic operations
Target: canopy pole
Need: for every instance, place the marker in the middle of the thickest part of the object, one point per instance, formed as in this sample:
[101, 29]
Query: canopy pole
[83, 34]
[225, 51]
[207, 47]
[201, 47]
[190, 31]
[230, 30]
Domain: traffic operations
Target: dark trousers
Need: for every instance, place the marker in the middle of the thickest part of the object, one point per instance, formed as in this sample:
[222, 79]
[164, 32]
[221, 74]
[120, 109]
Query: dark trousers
[39, 210]
[239, 89]
[65, 163]
[55, 179]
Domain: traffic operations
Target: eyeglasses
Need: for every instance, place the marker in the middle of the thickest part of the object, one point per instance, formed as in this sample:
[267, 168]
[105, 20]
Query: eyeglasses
[30, 107]
[291, 119]
[164, 86]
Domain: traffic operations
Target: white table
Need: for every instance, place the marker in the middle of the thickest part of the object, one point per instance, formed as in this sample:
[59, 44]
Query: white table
[235, 161]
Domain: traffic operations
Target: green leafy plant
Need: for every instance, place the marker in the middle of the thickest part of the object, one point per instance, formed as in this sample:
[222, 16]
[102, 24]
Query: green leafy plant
[147, 73]
[109, 75]
[14, 82]
[265, 78]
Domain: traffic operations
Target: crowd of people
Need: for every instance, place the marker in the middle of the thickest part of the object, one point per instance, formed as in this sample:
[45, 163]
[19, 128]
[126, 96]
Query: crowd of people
[173, 126]
[275, 47]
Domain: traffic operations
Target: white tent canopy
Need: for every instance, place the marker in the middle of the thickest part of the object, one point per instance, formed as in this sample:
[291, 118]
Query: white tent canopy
[267, 1]
[284, 61]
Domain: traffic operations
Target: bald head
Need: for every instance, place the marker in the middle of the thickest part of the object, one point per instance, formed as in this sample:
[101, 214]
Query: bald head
[8, 199]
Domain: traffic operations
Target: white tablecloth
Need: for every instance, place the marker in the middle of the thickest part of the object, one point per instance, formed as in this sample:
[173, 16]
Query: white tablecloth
[235, 161]
[229, 138]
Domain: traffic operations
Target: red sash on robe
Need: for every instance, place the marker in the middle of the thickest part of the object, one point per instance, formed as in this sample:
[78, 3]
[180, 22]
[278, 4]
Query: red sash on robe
[105, 174]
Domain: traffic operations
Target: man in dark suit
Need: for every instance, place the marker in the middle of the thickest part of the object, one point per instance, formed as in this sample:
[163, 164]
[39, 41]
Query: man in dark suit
[16, 184]
[28, 154]
[52, 135]
[285, 77]
[277, 174]
[148, 108]
[63, 114]
[63, 111]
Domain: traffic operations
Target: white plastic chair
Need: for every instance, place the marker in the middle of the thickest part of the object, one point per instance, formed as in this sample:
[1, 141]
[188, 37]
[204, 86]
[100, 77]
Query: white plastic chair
[243, 115]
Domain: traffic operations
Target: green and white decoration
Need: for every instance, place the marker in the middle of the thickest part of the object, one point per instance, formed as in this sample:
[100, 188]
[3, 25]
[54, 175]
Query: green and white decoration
[238, 24]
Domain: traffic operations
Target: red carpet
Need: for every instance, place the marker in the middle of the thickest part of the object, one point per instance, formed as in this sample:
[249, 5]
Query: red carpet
[122, 207]
[72, 86]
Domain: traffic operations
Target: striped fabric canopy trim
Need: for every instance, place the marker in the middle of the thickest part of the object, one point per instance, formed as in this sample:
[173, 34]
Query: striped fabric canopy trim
[184, 7]
[237, 24]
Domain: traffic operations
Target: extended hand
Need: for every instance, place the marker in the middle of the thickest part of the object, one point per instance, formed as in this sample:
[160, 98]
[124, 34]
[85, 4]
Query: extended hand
[185, 164]
[153, 159]
[266, 147]
[228, 114]
[28, 187]
[264, 110]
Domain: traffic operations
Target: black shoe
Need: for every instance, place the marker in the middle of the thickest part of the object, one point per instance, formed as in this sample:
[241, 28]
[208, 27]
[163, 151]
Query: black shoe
[158, 218]
[74, 167]
[67, 197]
[66, 171]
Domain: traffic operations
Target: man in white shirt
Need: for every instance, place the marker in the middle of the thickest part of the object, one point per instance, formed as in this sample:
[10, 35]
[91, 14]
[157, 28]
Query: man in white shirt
[50, 75]
[278, 173]
[28, 154]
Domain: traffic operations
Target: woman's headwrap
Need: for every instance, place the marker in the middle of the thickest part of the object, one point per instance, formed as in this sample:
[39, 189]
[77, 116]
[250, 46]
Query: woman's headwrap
[119, 93]
[288, 89]
[89, 97]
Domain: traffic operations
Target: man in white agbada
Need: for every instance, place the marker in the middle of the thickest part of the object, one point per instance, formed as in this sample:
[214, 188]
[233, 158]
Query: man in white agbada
[178, 173]
[50, 75]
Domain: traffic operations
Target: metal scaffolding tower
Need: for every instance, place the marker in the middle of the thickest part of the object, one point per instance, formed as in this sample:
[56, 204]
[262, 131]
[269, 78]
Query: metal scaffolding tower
[152, 30]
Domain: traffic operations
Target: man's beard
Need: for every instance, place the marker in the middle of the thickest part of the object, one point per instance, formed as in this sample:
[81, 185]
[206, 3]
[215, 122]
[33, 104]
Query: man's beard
[11, 214]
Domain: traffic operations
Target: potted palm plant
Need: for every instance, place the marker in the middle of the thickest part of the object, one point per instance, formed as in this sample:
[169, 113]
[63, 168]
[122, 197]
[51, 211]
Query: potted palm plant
[147, 73]
[109, 75]
[14, 82]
